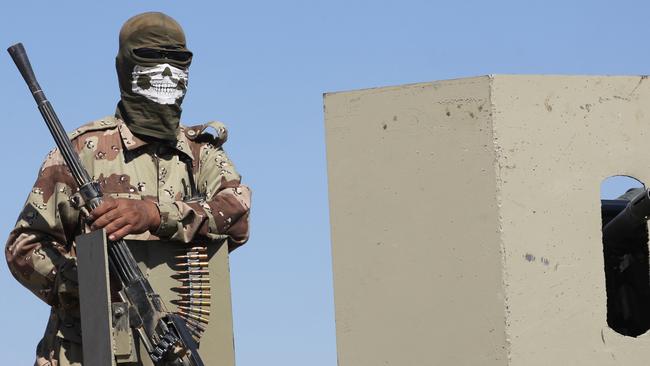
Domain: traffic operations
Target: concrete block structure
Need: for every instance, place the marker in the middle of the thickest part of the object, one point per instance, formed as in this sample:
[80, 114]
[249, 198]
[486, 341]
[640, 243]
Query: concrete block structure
[466, 222]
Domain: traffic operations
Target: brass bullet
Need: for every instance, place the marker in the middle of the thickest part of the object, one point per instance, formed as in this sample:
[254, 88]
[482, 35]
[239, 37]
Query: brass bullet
[194, 279]
[193, 309]
[195, 333]
[192, 264]
[193, 302]
[192, 256]
[194, 271]
[195, 295]
[197, 249]
[193, 287]
[193, 323]
[193, 316]
[195, 253]
[196, 328]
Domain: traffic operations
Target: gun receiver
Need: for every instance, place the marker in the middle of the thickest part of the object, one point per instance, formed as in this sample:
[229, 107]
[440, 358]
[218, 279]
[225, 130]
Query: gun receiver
[165, 335]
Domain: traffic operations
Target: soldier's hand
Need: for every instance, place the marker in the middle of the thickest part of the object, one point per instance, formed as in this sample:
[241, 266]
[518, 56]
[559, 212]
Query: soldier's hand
[121, 217]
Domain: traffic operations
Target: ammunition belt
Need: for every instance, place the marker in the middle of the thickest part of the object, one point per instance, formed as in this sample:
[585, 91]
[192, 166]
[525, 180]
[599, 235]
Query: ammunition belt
[193, 303]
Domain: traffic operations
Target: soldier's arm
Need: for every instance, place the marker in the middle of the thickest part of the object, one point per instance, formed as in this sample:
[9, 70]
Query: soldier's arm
[38, 251]
[223, 214]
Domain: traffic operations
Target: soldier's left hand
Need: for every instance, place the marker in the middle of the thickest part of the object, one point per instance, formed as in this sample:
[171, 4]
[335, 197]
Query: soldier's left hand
[121, 217]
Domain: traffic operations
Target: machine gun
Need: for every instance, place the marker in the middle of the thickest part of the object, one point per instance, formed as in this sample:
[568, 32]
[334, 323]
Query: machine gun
[165, 335]
[625, 250]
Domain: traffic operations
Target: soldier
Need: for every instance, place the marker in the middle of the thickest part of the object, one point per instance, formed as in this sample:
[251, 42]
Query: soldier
[167, 187]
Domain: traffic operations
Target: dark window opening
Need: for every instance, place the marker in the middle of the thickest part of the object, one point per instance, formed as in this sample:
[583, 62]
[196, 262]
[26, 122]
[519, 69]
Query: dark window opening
[627, 271]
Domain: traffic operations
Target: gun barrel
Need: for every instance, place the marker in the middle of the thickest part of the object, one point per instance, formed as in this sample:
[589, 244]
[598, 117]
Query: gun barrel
[19, 55]
[635, 214]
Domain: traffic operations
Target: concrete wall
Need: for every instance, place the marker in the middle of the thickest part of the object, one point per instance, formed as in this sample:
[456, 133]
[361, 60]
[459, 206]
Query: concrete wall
[466, 220]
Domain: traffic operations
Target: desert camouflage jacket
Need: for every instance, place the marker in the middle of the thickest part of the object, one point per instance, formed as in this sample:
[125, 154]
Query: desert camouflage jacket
[40, 248]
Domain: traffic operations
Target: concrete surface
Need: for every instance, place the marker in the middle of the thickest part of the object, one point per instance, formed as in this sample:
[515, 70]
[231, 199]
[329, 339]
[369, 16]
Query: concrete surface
[465, 219]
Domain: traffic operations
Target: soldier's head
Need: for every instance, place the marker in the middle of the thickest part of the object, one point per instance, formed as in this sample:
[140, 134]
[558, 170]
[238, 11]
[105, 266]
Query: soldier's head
[152, 68]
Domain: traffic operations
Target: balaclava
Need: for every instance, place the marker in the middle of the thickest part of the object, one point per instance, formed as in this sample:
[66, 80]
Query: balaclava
[152, 65]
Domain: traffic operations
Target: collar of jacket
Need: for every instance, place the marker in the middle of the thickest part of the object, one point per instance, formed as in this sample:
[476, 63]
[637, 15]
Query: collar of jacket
[132, 142]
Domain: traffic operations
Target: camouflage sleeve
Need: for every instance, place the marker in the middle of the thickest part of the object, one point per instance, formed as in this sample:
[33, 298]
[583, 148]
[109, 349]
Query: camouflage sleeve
[223, 214]
[37, 250]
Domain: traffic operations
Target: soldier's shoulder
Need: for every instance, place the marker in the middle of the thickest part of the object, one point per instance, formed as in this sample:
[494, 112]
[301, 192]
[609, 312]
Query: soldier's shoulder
[105, 123]
[212, 132]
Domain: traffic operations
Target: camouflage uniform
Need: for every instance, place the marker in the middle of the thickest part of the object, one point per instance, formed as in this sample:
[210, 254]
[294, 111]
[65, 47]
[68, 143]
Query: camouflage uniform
[40, 250]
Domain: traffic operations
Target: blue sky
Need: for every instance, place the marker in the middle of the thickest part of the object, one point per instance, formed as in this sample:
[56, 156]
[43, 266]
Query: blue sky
[261, 67]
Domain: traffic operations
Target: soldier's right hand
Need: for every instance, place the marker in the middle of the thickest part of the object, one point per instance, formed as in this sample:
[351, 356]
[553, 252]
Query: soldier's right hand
[121, 217]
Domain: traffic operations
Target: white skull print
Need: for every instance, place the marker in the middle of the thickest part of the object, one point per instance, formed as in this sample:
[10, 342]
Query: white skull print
[162, 83]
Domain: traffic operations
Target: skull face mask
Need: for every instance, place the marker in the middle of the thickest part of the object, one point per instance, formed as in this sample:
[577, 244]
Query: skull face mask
[162, 84]
[152, 67]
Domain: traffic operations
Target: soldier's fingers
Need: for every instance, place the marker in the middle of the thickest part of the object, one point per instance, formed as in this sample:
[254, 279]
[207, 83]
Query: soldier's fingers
[107, 205]
[22, 241]
[105, 219]
[115, 226]
[122, 232]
